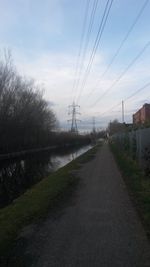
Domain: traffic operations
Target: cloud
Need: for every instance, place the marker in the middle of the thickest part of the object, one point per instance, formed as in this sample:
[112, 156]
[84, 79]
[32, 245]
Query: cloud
[55, 72]
[44, 15]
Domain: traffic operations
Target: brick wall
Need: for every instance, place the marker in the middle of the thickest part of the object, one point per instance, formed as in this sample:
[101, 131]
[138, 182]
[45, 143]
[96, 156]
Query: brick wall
[142, 115]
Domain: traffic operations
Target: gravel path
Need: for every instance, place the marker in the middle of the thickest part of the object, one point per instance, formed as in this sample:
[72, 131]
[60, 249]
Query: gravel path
[98, 228]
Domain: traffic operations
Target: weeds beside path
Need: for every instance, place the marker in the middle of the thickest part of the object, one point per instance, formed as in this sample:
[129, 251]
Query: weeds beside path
[98, 227]
[36, 202]
[137, 183]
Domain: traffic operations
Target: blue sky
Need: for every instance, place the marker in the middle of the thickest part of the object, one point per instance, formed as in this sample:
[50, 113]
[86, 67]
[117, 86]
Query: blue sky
[44, 37]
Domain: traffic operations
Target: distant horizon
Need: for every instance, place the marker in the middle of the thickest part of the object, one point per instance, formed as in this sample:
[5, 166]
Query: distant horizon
[45, 39]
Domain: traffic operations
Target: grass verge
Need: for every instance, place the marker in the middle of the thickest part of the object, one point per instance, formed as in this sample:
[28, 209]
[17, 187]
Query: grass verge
[35, 202]
[137, 184]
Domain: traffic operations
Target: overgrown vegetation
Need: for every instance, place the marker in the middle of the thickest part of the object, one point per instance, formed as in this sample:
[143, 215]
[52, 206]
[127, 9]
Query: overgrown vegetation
[37, 201]
[147, 161]
[137, 183]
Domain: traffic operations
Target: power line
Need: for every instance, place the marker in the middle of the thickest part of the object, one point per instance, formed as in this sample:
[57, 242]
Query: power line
[139, 90]
[122, 42]
[87, 39]
[127, 98]
[96, 44]
[92, 19]
[115, 106]
[81, 44]
[123, 73]
[97, 41]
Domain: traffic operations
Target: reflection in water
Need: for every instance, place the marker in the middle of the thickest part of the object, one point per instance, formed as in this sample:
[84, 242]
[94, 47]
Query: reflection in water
[19, 174]
[16, 176]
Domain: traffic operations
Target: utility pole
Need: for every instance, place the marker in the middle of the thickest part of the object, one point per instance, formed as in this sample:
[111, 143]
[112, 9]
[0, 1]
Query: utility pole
[122, 111]
[93, 134]
[73, 112]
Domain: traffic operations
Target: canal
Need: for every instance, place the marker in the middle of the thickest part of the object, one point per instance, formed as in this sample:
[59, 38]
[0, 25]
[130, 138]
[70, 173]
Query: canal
[17, 175]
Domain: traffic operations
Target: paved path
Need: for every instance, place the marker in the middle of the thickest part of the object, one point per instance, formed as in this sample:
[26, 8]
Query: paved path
[99, 228]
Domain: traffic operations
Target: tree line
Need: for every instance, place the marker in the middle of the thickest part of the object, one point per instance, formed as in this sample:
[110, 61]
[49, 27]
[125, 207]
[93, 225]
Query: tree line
[26, 119]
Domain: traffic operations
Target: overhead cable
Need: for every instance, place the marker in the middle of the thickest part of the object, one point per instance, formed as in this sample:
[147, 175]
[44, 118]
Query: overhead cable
[92, 17]
[123, 73]
[127, 98]
[81, 44]
[96, 44]
[122, 43]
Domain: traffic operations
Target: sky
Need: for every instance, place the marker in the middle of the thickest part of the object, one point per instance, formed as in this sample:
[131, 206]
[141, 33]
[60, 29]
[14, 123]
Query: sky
[49, 43]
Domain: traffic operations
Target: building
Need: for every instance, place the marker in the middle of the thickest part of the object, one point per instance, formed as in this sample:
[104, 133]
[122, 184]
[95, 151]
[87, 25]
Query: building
[142, 115]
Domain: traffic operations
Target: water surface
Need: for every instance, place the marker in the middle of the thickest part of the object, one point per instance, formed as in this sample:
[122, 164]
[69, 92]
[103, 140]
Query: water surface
[17, 175]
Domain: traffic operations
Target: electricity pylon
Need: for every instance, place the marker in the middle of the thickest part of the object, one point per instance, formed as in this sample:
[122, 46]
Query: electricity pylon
[73, 112]
[94, 129]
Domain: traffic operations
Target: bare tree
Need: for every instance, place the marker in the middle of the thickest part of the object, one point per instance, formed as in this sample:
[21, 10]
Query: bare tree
[115, 126]
[26, 120]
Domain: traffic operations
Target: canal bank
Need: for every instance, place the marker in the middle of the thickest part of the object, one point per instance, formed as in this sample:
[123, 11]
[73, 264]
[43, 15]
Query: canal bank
[19, 174]
[35, 203]
[97, 226]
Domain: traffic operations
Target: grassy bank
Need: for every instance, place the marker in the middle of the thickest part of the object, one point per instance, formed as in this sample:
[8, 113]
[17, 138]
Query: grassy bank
[37, 201]
[137, 184]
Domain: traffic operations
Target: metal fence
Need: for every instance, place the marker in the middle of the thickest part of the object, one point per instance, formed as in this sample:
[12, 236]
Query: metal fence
[137, 144]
